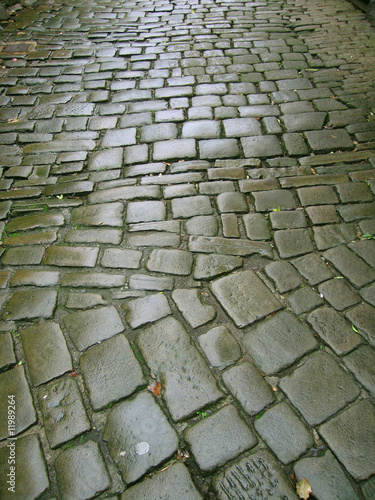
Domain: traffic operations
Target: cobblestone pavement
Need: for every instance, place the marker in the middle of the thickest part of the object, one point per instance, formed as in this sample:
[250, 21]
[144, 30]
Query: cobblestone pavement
[188, 222]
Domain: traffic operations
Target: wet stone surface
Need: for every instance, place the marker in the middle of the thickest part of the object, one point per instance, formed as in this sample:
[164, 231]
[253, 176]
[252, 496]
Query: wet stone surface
[187, 223]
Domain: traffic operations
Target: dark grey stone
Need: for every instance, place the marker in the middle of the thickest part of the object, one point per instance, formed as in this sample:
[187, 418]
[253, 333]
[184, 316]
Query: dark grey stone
[145, 211]
[46, 352]
[350, 265]
[184, 208]
[327, 388]
[21, 256]
[284, 432]
[203, 225]
[109, 236]
[325, 141]
[192, 309]
[119, 258]
[107, 214]
[13, 382]
[220, 347]
[177, 262]
[147, 309]
[334, 330]
[244, 297]
[81, 472]
[139, 436]
[303, 300]
[30, 468]
[278, 342]
[284, 275]
[255, 475]
[304, 121]
[210, 266]
[338, 293]
[261, 146]
[201, 129]
[357, 453]
[7, 356]
[71, 256]
[312, 268]
[293, 219]
[293, 242]
[322, 214]
[185, 391]
[86, 328]
[361, 363]
[232, 202]
[125, 193]
[175, 481]
[326, 477]
[30, 304]
[111, 371]
[218, 148]
[317, 195]
[273, 200]
[107, 159]
[64, 415]
[158, 132]
[363, 317]
[256, 227]
[227, 246]
[248, 386]
[240, 127]
[219, 438]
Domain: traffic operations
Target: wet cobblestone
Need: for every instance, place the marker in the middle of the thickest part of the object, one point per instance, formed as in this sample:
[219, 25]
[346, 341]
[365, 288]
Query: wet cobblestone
[187, 204]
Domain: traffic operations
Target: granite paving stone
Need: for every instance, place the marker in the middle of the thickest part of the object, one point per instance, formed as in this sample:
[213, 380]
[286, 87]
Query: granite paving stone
[31, 472]
[320, 376]
[14, 382]
[7, 356]
[173, 481]
[194, 311]
[81, 471]
[139, 436]
[220, 347]
[30, 304]
[208, 436]
[147, 309]
[86, 328]
[187, 196]
[284, 432]
[46, 352]
[111, 371]
[278, 342]
[244, 297]
[356, 454]
[71, 256]
[326, 477]
[361, 363]
[249, 387]
[352, 267]
[63, 412]
[185, 391]
[363, 317]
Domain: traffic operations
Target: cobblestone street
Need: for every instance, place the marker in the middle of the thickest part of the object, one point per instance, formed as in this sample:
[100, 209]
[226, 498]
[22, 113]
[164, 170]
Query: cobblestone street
[187, 222]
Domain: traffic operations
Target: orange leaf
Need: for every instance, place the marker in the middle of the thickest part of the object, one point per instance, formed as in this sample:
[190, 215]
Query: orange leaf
[155, 388]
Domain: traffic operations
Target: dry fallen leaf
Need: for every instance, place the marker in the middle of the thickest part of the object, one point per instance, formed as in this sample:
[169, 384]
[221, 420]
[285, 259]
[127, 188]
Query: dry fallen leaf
[155, 388]
[303, 488]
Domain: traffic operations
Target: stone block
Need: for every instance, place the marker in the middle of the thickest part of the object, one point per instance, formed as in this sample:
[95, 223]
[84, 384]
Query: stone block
[220, 347]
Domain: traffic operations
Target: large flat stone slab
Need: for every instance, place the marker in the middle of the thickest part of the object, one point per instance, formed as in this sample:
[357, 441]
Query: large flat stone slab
[278, 342]
[319, 388]
[219, 438]
[111, 371]
[357, 451]
[30, 304]
[174, 482]
[13, 382]
[64, 415]
[228, 246]
[245, 297]
[46, 352]
[187, 390]
[210, 266]
[257, 475]
[31, 477]
[86, 328]
[81, 472]
[139, 436]
[167, 261]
